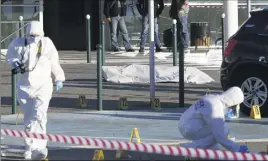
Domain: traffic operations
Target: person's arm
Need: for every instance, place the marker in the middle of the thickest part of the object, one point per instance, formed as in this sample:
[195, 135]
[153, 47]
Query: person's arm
[161, 7]
[215, 119]
[139, 6]
[106, 8]
[55, 64]
[11, 55]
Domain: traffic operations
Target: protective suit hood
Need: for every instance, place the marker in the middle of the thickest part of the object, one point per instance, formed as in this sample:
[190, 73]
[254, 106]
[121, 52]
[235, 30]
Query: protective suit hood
[34, 28]
[233, 96]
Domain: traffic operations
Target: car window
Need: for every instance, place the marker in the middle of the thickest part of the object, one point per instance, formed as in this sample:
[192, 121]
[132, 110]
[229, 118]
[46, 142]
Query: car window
[256, 24]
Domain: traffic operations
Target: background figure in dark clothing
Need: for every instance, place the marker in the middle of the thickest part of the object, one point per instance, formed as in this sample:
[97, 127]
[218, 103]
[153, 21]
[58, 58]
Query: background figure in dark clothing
[179, 11]
[115, 10]
[142, 7]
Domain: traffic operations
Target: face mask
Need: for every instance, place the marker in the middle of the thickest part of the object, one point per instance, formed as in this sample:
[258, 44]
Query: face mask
[232, 112]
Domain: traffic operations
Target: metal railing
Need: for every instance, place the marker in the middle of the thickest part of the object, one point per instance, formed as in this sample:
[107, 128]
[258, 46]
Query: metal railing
[21, 33]
[14, 32]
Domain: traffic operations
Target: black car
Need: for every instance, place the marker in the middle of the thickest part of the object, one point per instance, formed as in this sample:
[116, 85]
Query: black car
[245, 62]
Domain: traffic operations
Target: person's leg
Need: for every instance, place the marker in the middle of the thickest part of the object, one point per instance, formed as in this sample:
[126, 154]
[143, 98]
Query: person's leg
[113, 30]
[124, 32]
[27, 110]
[156, 36]
[202, 138]
[144, 32]
[39, 126]
[184, 31]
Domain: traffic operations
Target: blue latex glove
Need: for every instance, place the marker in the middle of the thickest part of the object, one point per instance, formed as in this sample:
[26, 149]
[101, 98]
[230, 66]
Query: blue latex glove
[243, 148]
[59, 85]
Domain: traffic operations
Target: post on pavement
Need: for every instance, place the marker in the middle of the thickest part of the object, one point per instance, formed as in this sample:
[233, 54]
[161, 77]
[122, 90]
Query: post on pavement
[151, 42]
[249, 7]
[99, 77]
[0, 128]
[181, 69]
[222, 34]
[1, 32]
[102, 43]
[14, 91]
[88, 31]
[174, 43]
[21, 31]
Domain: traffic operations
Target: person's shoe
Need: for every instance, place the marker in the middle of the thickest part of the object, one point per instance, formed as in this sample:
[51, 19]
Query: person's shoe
[141, 50]
[27, 155]
[116, 50]
[158, 49]
[130, 50]
[39, 154]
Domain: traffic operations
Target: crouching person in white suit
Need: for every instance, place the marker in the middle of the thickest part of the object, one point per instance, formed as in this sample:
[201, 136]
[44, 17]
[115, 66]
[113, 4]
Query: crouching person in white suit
[204, 122]
[34, 57]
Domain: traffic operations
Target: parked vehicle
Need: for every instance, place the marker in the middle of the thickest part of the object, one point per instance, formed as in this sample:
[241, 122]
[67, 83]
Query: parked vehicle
[245, 62]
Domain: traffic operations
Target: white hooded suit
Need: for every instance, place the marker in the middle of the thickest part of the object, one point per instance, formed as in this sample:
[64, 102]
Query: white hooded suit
[204, 121]
[34, 88]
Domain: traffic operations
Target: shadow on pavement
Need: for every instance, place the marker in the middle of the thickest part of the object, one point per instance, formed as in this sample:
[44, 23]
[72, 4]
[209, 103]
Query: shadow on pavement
[150, 117]
[63, 102]
[255, 122]
[88, 154]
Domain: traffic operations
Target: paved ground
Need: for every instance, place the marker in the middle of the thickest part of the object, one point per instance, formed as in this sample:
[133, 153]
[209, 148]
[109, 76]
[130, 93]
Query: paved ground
[81, 79]
[88, 153]
[154, 127]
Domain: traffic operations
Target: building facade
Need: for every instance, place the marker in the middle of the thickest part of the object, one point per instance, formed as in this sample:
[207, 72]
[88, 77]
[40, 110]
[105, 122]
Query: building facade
[64, 20]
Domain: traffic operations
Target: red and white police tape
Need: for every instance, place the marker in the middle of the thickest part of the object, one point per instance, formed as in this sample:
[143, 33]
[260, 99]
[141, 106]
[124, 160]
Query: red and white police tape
[140, 147]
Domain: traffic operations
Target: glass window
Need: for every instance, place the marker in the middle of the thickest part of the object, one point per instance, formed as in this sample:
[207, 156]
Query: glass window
[19, 2]
[12, 13]
[256, 24]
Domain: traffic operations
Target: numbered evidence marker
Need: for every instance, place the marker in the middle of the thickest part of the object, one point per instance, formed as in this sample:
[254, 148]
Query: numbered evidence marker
[81, 101]
[98, 155]
[255, 112]
[208, 92]
[123, 103]
[17, 120]
[156, 105]
[134, 133]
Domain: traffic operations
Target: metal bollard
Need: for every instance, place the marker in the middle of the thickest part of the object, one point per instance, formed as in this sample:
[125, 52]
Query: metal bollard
[222, 34]
[14, 91]
[99, 78]
[21, 31]
[102, 43]
[88, 38]
[174, 44]
[181, 70]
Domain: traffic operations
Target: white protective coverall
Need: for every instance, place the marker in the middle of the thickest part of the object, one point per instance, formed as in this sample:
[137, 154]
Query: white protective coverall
[204, 122]
[34, 88]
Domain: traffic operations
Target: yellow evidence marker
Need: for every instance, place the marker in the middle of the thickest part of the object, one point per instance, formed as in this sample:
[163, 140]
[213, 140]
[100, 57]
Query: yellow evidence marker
[255, 112]
[134, 133]
[123, 103]
[98, 155]
[208, 91]
[156, 105]
[17, 120]
[81, 101]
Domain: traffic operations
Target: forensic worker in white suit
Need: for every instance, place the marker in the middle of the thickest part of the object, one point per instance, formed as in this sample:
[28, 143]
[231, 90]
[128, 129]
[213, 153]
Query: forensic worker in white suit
[204, 122]
[34, 57]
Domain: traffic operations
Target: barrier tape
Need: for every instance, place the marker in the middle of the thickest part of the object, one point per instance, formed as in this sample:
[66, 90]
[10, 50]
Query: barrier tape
[140, 147]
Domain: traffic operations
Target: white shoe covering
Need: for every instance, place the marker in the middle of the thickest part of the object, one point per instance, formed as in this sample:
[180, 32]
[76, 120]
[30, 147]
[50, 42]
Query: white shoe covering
[27, 155]
[39, 154]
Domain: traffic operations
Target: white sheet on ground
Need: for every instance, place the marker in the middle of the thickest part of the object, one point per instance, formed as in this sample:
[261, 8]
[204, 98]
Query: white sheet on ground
[126, 54]
[140, 74]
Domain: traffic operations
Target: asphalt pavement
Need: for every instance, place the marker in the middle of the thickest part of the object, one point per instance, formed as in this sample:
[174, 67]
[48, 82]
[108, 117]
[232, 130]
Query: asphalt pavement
[81, 80]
